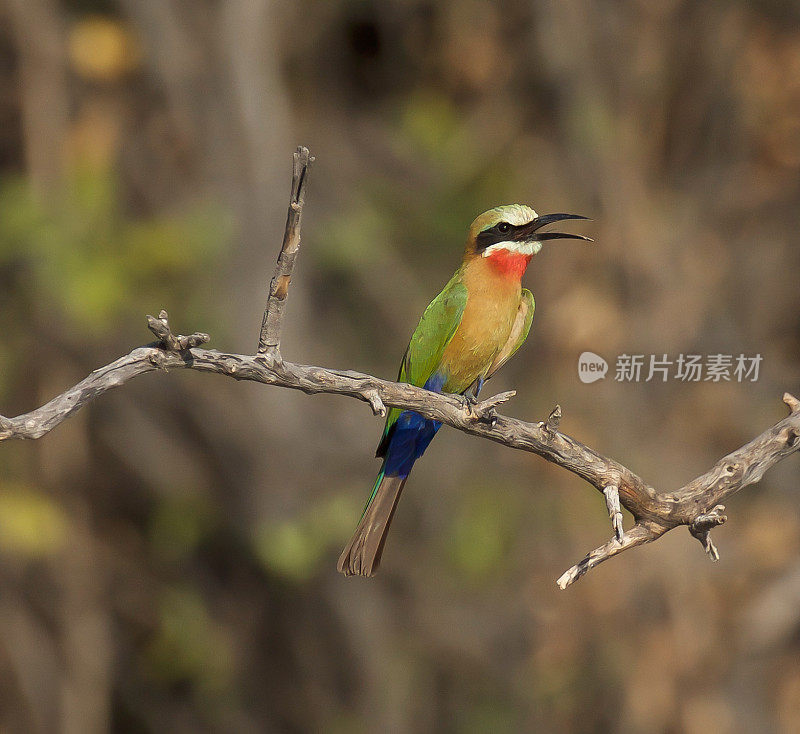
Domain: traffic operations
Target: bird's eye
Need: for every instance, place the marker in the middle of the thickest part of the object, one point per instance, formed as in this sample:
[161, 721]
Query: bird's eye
[503, 227]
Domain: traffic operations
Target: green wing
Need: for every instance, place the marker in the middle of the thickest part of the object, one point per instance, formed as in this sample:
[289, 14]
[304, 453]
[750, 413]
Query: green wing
[519, 332]
[428, 342]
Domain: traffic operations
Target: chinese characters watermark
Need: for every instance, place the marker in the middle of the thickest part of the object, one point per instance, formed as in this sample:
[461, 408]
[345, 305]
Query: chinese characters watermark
[660, 368]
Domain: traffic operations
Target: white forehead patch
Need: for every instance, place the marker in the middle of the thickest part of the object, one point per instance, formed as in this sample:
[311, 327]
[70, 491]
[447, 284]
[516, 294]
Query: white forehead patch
[518, 248]
[517, 214]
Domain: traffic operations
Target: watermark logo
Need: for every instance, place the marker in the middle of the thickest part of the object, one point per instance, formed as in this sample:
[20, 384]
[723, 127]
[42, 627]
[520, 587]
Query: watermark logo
[591, 367]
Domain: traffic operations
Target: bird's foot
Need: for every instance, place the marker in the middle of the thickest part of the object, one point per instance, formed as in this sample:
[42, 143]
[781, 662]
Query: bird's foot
[468, 403]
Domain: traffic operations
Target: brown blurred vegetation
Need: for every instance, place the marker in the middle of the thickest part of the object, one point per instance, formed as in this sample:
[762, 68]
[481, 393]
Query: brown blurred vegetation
[167, 558]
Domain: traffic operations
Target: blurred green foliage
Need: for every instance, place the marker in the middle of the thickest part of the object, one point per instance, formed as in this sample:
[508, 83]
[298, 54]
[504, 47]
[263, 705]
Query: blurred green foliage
[481, 535]
[430, 122]
[178, 525]
[188, 645]
[87, 262]
[455, 186]
[296, 548]
[488, 715]
[32, 525]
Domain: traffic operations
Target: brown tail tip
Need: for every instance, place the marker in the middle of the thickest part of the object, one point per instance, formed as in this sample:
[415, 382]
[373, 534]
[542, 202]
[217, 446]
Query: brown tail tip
[362, 555]
[353, 562]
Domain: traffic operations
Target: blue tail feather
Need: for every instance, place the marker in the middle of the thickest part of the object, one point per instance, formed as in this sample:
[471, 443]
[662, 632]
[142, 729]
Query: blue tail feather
[411, 436]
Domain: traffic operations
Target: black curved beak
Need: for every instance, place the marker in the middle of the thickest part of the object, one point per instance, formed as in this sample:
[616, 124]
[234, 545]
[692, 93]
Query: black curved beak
[529, 231]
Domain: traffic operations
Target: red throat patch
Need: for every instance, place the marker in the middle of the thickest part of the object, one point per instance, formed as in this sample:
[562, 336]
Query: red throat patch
[510, 264]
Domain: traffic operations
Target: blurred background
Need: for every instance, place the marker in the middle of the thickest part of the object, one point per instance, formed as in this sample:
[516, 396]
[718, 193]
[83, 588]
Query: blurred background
[167, 557]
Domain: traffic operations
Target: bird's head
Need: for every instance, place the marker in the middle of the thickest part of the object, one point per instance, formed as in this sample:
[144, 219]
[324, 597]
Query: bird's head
[512, 234]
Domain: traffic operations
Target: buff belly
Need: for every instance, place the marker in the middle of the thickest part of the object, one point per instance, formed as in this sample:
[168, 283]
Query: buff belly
[484, 330]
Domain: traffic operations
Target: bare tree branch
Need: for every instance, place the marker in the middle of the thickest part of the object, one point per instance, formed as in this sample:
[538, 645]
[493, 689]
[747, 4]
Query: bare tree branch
[639, 535]
[698, 504]
[695, 505]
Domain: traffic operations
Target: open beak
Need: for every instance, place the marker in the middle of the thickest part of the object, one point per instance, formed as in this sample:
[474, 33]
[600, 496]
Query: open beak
[530, 232]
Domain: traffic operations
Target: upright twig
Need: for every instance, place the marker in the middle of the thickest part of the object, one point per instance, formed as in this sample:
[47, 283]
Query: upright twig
[161, 330]
[269, 341]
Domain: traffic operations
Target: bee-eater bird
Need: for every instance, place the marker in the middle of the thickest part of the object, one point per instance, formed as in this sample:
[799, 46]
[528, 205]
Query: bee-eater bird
[470, 330]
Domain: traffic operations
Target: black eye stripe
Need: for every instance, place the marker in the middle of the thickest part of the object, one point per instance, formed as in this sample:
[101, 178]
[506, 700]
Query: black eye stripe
[501, 232]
